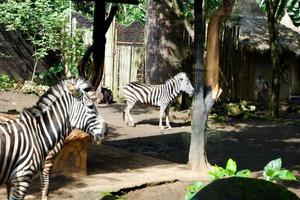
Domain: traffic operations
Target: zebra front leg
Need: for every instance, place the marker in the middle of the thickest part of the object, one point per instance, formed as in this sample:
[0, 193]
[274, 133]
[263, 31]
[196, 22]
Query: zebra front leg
[18, 187]
[161, 114]
[167, 118]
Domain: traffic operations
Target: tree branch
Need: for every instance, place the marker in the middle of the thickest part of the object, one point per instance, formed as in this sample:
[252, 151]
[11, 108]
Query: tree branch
[179, 13]
[110, 17]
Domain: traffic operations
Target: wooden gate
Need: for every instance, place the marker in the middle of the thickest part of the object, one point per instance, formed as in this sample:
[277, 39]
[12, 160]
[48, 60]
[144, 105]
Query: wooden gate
[124, 63]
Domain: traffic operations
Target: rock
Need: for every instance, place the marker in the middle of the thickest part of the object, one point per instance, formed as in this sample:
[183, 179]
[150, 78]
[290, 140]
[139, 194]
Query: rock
[72, 160]
[31, 87]
[237, 188]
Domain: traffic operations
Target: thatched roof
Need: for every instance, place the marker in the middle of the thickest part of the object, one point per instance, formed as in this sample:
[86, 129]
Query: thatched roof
[254, 33]
[254, 36]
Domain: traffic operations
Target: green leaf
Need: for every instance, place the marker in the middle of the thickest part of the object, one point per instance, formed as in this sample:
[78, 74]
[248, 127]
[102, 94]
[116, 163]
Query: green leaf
[191, 190]
[244, 173]
[274, 165]
[231, 166]
[218, 172]
[286, 175]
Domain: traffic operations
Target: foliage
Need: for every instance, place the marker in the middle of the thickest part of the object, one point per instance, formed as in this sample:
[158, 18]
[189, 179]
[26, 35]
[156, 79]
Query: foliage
[210, 6]
[6, 82]
[229, 171]
[273, 171]
[131, 13]
[193, 189]
[44, 24]
[49, 77]
[41, 21]
[292, 7]
[72, 49]
[219, 118]
[242, 108]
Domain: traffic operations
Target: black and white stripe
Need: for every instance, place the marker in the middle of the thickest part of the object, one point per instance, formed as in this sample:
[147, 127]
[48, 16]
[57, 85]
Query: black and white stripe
[157, 95]
[40, 131]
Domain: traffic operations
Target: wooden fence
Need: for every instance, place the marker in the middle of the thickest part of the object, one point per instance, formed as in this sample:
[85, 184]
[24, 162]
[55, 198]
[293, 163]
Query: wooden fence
[124, 63]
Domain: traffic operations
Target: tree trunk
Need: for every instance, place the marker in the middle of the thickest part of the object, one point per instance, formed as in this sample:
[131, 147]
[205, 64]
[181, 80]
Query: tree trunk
[206, 81]
[166, 47]
[212, 57]
[98, 42]
[197, 155]
[273, 25]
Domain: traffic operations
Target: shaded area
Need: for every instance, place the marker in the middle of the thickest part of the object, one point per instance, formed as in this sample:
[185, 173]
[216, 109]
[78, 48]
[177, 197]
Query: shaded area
[253, 146]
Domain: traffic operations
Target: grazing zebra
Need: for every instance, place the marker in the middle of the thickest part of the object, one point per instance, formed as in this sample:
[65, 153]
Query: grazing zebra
[38, 134]
[157, 95]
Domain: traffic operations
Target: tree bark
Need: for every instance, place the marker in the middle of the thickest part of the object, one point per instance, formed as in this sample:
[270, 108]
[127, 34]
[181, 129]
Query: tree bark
[167, 47]
[213, 53]
[206, 81]
[273, 25]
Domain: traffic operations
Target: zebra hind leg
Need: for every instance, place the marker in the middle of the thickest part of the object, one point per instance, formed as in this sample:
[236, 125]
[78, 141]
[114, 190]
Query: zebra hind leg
[130, 121]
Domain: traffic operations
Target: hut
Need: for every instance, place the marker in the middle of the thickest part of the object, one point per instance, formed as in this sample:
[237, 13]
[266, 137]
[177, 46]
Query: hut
[245, 54]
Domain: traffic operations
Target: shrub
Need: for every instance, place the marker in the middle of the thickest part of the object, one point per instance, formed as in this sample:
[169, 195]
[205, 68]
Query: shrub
[6, 82]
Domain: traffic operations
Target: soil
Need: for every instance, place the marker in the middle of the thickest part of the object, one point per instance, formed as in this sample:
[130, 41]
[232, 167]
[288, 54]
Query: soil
[146, 163]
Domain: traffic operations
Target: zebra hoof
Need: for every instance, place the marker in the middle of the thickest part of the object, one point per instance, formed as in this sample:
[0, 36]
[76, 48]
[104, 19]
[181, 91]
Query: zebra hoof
[131, 124]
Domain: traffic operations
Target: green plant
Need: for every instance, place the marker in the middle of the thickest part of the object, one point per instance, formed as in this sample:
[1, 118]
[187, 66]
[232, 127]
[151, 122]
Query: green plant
[230, 170]
[109, 195]
[273, 171]
[6, 82]
[50, 76]
[191, 190]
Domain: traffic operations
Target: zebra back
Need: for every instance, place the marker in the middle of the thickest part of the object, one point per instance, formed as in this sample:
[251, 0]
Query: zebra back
[161, 94]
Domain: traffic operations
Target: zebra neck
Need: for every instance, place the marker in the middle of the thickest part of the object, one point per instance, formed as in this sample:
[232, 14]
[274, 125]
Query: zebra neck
[173, 86]
[52, 127]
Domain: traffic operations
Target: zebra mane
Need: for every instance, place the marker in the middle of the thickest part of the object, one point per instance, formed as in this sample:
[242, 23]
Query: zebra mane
[47, 99]
[55, 92]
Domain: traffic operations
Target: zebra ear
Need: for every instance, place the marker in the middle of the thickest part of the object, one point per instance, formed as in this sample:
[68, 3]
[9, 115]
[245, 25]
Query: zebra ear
[73, 90]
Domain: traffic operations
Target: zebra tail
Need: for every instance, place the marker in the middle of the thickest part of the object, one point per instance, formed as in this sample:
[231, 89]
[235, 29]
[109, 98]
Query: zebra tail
[123, 115]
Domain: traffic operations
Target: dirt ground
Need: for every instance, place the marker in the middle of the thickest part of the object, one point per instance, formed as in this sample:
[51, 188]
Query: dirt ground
[148, 164]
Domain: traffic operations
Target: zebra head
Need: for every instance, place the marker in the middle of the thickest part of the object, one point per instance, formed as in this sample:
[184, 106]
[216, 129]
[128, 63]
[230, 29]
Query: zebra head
[185, 83]
[84, 114]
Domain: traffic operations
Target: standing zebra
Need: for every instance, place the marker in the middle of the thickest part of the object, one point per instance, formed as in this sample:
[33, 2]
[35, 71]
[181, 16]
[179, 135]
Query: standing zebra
[40, 131]
[157, 95]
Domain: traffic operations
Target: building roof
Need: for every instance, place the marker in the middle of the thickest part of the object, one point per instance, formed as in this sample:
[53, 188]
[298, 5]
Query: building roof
[254, 33]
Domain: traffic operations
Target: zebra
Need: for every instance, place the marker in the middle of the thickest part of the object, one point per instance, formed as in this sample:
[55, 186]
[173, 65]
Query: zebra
[28, 142]
[157, 95]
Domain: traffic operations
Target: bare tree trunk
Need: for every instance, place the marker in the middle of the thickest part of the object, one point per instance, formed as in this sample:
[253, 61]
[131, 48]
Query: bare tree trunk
[206, 81]
[197, 154]
[273, 25]
[166, 48]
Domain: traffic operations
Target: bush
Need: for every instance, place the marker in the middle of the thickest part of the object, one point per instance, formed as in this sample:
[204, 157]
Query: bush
[6, 82]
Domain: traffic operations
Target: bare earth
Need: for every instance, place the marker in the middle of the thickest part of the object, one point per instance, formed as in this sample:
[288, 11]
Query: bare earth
[148, 164]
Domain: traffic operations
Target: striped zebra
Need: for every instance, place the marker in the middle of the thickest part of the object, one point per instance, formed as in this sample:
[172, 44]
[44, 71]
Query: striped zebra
[28, 142]
[157, 95]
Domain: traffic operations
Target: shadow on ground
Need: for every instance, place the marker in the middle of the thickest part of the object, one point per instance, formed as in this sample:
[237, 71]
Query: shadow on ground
[252, 146]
